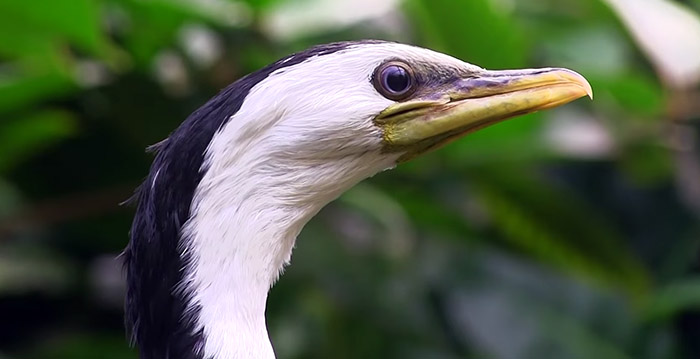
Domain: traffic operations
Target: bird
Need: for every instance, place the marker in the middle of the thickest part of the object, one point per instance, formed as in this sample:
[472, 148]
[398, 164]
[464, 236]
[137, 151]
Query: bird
[230, 189]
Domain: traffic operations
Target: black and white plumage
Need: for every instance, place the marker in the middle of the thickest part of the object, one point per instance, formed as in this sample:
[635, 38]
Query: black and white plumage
[231, 188]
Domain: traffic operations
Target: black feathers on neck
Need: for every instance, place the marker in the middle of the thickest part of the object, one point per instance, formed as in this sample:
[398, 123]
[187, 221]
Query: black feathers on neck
[160, 319]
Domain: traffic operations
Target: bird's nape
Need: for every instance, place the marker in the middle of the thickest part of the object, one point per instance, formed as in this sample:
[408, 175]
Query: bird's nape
[232, 187]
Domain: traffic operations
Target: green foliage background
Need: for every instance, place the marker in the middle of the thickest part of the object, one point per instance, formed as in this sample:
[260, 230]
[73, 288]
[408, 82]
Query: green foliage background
[500, 245]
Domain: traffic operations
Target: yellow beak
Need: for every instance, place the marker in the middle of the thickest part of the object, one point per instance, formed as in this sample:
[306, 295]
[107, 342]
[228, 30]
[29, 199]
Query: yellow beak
[468, 104]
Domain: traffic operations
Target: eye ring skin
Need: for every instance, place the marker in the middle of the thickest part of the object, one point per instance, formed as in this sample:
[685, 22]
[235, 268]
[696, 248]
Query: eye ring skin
[379, 83]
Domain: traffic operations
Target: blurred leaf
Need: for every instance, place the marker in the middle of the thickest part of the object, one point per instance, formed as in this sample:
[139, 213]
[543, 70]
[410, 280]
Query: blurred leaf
[23, 136]
[512, 141]
[674, 298]
[680, 258]
[574, 339]
[477, 31]
[543, 315]
[292, 20]
[636, 93]
[398, 231]
[83, 346]
[32, 269]
[226, 12]
[599, 49]
[10, 198]
[154, 25]
[426, 208]
[553, 227]
[648, 164]
[669, 34]
[259, 5]
[77, 21]
[19, 90]
[15, 42]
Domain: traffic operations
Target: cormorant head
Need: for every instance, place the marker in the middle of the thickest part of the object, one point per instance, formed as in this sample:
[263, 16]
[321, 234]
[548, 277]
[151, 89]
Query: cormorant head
[353, 109]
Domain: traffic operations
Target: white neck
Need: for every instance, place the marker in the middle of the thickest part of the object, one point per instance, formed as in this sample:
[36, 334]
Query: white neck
[253, 200]
[240, 249]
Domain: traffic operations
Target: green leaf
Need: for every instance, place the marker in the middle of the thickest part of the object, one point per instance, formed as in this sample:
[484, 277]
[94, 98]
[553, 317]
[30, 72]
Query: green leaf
[10, 198]
[476, 31]
[515, 140]
[636, 93]
[19, 90]
[425, 207]
[154, 24]
[28, 268]
[556, 228]
[77, 21]
[575, 339]
[15, 42]
[384, 210]
[544, 314]
[73, 345]
[674, 298]
[24, 136]
[648, 164]
[261, 5]
[596, 48]
[675, 51]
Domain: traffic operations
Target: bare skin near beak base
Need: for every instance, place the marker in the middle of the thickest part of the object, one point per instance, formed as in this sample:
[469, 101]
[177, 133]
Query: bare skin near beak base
[469, 104]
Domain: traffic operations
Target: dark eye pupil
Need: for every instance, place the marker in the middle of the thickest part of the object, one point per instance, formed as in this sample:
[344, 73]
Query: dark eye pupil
[396, 79]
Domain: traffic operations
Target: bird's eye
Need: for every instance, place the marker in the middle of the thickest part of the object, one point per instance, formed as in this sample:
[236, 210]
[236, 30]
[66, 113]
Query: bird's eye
[394, 81]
